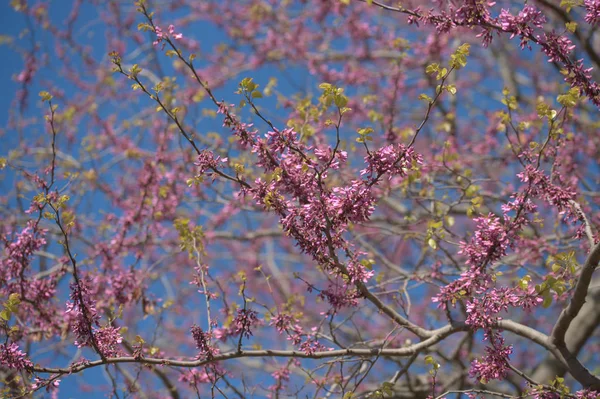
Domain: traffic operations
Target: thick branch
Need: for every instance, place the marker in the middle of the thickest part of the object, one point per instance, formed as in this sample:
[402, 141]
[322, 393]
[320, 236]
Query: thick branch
[579, 332]
[581, 289]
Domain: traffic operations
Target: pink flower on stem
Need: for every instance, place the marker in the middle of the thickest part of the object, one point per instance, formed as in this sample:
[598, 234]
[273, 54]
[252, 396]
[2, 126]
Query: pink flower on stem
[108, 339]
[162, 35]
[203, 342]
[493, 366]
[593, 11]
[13, 358]
[244, 321]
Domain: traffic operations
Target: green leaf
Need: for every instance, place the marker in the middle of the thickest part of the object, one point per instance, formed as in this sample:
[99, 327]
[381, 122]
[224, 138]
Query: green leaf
[569, 4]
[458, 60]
[14, 298]
[547, 300]
[570, 98]
[542, 109]
[135, 70]
[441, 73]
[340, 100]
[144, 27]
[45, 96]
[431, 242]
[5, 315]
[248, 85]
[556, 268]
[431, 68]
[386, 387]
[365, 131]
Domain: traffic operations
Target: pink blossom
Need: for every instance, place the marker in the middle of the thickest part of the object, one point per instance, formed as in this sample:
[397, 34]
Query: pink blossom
[311, 345]
[13, 358]
[176, 36]
[593, 11]
[493, 366]
[244, 321]
[161, 36]
[108, 339]
[83, 315]
[203, 343]
[489, 243]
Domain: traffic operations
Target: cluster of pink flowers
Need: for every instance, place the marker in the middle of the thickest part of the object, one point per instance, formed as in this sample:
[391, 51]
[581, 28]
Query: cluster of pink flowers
[197, 376]
[587, 394]
[543, 188]
[522, 24]
[85, 322]
[36, 308]
[472, 281]
[593, 11]
[108, 339]
[326, 155]
[494, 365]
[316, 216]
[13, 358]
[203, 343]
[244, 131]
[125, 286]
[311, 345]
[482, 312]
[282, 374]
[244, 321]
[279, 141]
[528, 24]
[340, 295]
[354, 203]
[31, 66]
[490, 242]
[317, 222]
[357, 271]
[539, 392]
[284, 322]
[391, 160]
[84, 315]
[161, 35]
[207, 162]
[492, 238]
[19, 252]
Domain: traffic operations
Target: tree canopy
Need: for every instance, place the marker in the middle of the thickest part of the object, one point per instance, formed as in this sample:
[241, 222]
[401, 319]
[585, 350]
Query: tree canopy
[309, 198]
